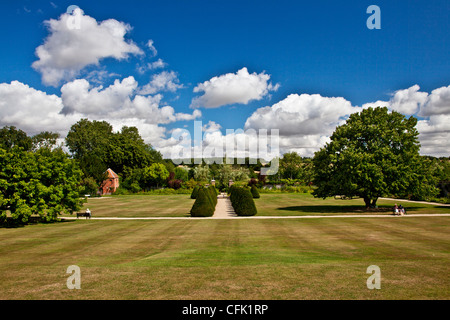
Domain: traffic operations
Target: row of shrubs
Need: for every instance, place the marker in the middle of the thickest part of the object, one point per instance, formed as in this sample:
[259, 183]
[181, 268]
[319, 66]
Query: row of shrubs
[242, 201]
[205, 201]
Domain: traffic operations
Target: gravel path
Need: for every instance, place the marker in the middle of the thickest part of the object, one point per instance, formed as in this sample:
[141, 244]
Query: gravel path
[268, 217]
[224, 209]
[424, 202]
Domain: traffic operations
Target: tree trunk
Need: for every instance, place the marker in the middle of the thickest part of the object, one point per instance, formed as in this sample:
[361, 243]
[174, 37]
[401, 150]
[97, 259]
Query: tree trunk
[374, 202]
[370, 203]
[367, 202]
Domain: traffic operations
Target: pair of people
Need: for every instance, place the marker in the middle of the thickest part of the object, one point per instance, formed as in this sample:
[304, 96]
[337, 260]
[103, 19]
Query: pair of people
[399, 210]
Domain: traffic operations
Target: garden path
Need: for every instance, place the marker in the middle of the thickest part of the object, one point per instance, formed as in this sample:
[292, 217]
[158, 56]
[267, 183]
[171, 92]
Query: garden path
[224, 209]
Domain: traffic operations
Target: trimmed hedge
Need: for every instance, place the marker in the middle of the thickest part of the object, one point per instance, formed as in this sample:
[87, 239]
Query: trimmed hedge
[255, 192]
[242, 201]
[213, 192]
[205, 203]
[194, 192]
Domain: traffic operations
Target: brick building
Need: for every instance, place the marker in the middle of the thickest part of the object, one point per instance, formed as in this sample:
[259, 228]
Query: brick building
[110, 184]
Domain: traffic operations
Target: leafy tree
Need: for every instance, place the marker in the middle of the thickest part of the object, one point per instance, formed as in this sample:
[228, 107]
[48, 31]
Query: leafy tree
[45, 183]
[135, 187]
[88, 186]
[60, 177]
[133, 179]
[240, 174]
[89, 141]
[291, 165]
[156, 174]
[308, 171]
[181, 174]
[225, 175]
[201, 173]
[11, 137]
[127, 149]
[440, 168]
[375, 153]
[97, 148]
[45, 139]
[169, 166]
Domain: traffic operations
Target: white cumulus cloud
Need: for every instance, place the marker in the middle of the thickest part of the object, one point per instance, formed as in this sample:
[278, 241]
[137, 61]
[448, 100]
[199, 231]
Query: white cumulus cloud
[240, 87]
[164, 81]
[406, 101]
[438, 102]
[303, 114]
[304, 121]
[151, 47]
[32, 110]
[77, 40]
[35, 111]
[118, 101]
[435, 128]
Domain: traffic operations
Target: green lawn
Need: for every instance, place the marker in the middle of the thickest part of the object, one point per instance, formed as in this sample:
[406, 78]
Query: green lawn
[270, 204]
[178, 205]
[228, 259]
[297, 204]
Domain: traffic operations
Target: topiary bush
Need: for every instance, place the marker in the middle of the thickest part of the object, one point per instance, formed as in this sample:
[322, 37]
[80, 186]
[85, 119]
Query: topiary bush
[230, 189]
[255, 192]
[242, 201]
[205, 203]
[213, 192]
[194, 192]
[210, 196]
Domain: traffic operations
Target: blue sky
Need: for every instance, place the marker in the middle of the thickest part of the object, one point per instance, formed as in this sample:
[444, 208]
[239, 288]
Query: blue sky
[313, 48]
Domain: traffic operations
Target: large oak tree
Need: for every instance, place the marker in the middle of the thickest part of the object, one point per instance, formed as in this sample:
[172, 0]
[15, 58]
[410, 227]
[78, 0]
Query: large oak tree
[374, 154]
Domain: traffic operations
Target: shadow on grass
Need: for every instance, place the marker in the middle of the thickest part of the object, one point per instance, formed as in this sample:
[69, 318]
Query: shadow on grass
[343, 209]
[12, 223]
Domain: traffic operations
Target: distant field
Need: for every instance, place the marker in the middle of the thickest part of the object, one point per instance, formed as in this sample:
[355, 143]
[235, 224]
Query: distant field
[228, 259]
[275, 204]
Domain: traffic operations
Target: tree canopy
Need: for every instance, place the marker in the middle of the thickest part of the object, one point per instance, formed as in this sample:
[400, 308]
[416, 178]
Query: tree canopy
[156, 174]
[11, 137]
[97, 148]
[36, 180]
[375, 153]
[88, 141]
[291, 165]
